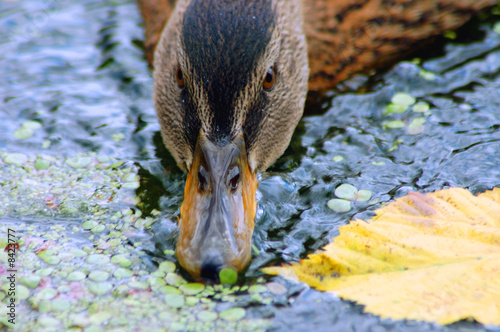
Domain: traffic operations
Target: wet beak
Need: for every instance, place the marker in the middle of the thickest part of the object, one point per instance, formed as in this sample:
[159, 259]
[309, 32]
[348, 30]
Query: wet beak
[217, 215]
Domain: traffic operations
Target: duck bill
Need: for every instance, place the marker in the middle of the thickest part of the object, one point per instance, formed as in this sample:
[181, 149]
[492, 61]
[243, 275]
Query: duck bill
[217, 215]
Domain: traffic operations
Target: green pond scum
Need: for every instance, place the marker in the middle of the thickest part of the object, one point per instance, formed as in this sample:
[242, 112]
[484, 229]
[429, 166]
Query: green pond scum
[92, 195]
[78, 272]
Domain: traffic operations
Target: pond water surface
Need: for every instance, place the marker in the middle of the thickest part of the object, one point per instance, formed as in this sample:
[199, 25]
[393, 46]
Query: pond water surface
[77, 68]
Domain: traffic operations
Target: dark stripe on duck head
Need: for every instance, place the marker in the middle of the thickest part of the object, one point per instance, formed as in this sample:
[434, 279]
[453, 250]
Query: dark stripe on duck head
[223, 41]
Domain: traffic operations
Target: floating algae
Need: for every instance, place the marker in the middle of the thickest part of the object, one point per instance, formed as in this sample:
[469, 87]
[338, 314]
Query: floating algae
[88, 270]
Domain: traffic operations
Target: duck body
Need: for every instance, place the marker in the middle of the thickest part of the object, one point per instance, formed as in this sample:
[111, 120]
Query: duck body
[231, 79]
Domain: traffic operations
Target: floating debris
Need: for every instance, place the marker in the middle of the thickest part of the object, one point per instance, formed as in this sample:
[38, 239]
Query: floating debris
[89, 224]
[403, 98]
[100, 288]
[79, 162]
[175, 300]
[420, 107]
[427, 75]
[97, 259]
[207, 316]
[399, 103]
[99, 275]
[105, 270]
[123, 273]
[46, 294]
[31, 281]
[138, 285]
[27, 130]
[76, 276]
[393, 124]
[339, 205]
[42, 164]
[174, 279]
[49, 322]
[170, 290]
[233, 314]
[23, 133]
[117, 137]
[416, 126]
[257, 289]
[394, 108]
[228, 276]
[33, 125]
[16, 159]
[450, 34]
[346, 191]
[192, 288]
[60, 305]
[496, 28]
[167, 266]
[364, 195]
[122, 261]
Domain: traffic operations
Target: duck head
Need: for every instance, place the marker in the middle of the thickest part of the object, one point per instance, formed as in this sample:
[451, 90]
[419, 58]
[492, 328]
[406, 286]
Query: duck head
[230, 86]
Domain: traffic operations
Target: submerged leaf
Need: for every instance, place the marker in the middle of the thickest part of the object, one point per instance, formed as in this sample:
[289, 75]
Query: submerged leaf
[433, 257]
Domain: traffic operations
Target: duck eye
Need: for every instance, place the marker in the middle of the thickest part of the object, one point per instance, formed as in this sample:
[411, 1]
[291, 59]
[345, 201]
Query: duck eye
[180, 77]
[269, 79]
[234, 177]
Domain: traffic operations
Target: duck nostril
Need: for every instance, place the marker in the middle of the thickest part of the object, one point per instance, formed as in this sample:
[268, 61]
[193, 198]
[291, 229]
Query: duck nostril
[210, 269]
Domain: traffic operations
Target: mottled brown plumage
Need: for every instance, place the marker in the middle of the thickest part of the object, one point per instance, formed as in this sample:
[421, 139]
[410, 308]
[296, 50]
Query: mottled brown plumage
[155, 14]
[350, 36]
[346, 37]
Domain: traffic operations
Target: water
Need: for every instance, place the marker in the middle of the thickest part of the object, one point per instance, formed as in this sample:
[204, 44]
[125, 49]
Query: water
[78, 69]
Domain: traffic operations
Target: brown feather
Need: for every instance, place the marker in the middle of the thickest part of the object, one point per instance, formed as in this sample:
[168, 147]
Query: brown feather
[346, 37]
[155, 14]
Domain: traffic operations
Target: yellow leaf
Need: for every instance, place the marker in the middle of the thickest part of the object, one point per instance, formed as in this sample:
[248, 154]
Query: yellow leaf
[433, 257]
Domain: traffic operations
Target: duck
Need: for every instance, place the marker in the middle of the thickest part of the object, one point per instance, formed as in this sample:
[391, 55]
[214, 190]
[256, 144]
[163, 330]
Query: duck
[231, 79]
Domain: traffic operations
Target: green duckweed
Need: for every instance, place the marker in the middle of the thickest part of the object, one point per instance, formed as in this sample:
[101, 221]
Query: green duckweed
[192, 288]
[97, 259]
[100, 288]
[99, 275]
[16, 159]
[76, 276]
[233, 314]
[364, 195]
[175, 300]
[403, 98]
[346, 191]
[31, 281]
[339, 205]
[167, 266]
[228, 276]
